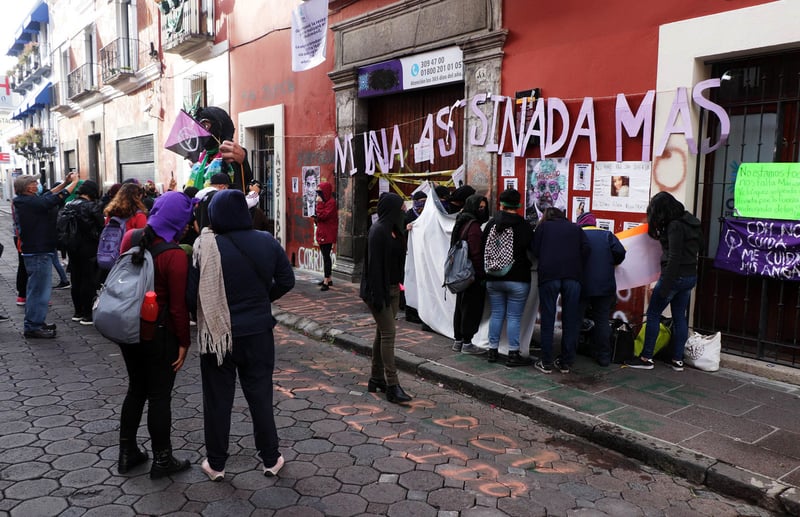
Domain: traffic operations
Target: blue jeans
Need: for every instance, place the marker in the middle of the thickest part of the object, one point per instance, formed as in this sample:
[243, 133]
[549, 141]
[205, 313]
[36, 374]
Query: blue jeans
[37, 295]
[678, 300]
[507, 300]
[570, 291]
[62, 275]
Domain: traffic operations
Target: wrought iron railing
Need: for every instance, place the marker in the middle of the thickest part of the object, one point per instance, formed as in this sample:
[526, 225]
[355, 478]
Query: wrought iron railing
[81, 81]
[119, 58]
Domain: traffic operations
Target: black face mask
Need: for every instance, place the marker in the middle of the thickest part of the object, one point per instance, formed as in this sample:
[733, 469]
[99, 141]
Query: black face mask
[483, 215]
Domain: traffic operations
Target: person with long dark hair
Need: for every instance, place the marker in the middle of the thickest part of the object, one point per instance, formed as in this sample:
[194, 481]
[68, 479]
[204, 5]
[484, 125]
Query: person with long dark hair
[152, 365]
[680, 235]
[470, 301]
[380, 289]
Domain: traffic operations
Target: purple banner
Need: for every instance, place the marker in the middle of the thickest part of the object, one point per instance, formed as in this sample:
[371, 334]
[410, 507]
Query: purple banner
[760, 247]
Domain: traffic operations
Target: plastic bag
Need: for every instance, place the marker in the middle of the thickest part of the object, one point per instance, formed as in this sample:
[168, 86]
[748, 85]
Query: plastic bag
[663, 339]
[703, 352]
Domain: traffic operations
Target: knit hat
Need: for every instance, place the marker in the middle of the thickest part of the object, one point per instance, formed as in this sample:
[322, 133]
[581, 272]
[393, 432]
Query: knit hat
[510, 198]
[442, 192]
[586, 219]
[419, 195]
[220, 178]
[171, 212]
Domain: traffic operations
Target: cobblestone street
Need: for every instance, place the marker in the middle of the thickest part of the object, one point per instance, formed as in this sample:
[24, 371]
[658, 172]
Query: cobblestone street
[348, 452]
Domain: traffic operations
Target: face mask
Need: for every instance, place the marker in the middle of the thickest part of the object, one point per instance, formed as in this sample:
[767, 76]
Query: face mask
[483, 215]
[39, 189]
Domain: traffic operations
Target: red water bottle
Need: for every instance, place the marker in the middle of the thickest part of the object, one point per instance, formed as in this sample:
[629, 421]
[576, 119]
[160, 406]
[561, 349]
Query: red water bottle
[149, 315]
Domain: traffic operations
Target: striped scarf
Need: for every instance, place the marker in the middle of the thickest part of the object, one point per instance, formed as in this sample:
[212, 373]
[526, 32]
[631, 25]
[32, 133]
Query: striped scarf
[213, 316]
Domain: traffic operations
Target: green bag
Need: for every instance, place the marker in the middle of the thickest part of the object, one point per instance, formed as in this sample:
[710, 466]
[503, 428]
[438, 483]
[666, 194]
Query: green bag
[662, 341]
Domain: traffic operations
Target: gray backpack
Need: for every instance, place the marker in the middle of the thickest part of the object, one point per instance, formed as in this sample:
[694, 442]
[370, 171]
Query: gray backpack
[458, 270]
[118, 305]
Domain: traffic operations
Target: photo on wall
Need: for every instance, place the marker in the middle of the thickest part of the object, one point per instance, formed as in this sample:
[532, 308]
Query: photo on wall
[310, 185]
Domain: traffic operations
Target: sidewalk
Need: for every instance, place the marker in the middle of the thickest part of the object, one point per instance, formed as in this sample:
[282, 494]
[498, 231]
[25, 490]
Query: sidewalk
[736, 433]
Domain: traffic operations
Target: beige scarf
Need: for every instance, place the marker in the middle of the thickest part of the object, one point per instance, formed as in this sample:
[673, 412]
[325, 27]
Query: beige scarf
[213, 317]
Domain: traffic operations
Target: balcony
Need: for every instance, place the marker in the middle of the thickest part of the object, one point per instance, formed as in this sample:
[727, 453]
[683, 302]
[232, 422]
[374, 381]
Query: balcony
[81, 82]
[119, 60]
[188, 26]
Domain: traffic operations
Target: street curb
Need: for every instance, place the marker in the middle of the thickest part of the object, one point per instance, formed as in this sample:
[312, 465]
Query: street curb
[696, 467]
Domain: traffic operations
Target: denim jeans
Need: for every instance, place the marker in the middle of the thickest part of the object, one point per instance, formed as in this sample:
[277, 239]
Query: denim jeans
[62, 275]
[678, 300]
[37, 295]
[570, 291]
[506, 300]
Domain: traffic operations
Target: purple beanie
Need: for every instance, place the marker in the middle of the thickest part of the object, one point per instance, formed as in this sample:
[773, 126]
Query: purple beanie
[586, 219]
[171, 212]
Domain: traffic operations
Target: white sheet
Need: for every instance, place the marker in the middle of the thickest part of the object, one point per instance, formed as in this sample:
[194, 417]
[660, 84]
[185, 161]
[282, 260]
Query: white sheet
[428, 243]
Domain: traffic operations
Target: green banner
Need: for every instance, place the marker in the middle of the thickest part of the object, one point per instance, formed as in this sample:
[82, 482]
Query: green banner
[767, 191]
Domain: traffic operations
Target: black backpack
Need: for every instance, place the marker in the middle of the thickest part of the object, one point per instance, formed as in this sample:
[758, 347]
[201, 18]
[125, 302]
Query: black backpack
[67, 236]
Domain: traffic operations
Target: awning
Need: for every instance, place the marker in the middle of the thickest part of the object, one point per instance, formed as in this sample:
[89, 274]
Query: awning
[32, 25]
[34, 102]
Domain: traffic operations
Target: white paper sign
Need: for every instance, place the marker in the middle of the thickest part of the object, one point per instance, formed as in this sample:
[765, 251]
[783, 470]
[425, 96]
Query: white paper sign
[507, 165]
[621, 186]
[582, 176]
[309, 34]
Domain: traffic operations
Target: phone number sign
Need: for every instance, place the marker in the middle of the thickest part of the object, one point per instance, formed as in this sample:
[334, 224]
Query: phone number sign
[432, 68]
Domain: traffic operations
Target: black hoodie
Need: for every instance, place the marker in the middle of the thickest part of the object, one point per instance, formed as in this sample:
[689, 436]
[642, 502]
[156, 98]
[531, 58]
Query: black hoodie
[384, 263]
[680, 249]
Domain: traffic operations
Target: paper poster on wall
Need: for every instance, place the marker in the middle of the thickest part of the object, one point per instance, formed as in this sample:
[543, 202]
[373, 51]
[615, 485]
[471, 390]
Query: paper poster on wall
[295, 185]
[310, 183]
[546, 183]
[383, 186]
[627, 225]
[582, 176]
[507, 165]
[509, 183]
[767, 191]
[621, 186]
[309, 34]
[606, 224]
[580, 205]
[458, 176]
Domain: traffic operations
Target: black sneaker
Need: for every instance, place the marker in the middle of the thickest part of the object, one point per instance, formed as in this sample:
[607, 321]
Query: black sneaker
[3, 317]
[515, 359]
[560, 366]
[544, 368]
[677, 365]
[493, 355]
[640, 363]
[63, 285]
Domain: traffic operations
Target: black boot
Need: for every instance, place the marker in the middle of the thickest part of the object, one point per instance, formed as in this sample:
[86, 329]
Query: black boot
[396, 394]
[130, 455]
[376, 384]
[164, 464]
[515, 359]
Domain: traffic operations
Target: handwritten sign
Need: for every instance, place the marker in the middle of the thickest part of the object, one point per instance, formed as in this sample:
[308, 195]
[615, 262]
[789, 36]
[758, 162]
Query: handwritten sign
[767, 191]
[758, 247]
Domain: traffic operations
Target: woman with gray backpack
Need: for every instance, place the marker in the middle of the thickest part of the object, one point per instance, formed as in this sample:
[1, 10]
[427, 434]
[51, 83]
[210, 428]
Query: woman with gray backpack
[507, 237]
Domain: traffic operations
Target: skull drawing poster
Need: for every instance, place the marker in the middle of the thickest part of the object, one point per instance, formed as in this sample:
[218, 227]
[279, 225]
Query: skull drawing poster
[546, 183]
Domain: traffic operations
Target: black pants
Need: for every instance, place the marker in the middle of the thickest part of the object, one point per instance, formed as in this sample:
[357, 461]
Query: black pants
[22, 274]
[150, 379]
[468, 313]
[327, 265]
[83, 277]
[253, 357]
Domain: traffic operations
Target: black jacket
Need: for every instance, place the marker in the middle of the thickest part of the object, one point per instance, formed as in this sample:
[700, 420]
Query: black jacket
[384, 263]
[679, 250]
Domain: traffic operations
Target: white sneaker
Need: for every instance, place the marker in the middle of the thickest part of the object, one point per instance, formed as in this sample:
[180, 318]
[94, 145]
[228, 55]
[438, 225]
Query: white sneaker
[273, 470]
[212, 474]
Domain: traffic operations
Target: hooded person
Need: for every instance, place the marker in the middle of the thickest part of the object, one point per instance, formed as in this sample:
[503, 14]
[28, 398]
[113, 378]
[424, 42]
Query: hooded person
[457, 199]
[469, 302]
[418, 201]
[383, 272]
[599, 285]
[221, 154]
[236, 273]
[443, 194]
[152, 365]
[326, 217]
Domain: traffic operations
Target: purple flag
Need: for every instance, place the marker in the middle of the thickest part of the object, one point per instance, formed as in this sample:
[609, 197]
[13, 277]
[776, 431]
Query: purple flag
[763, 247]
[187, 137]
